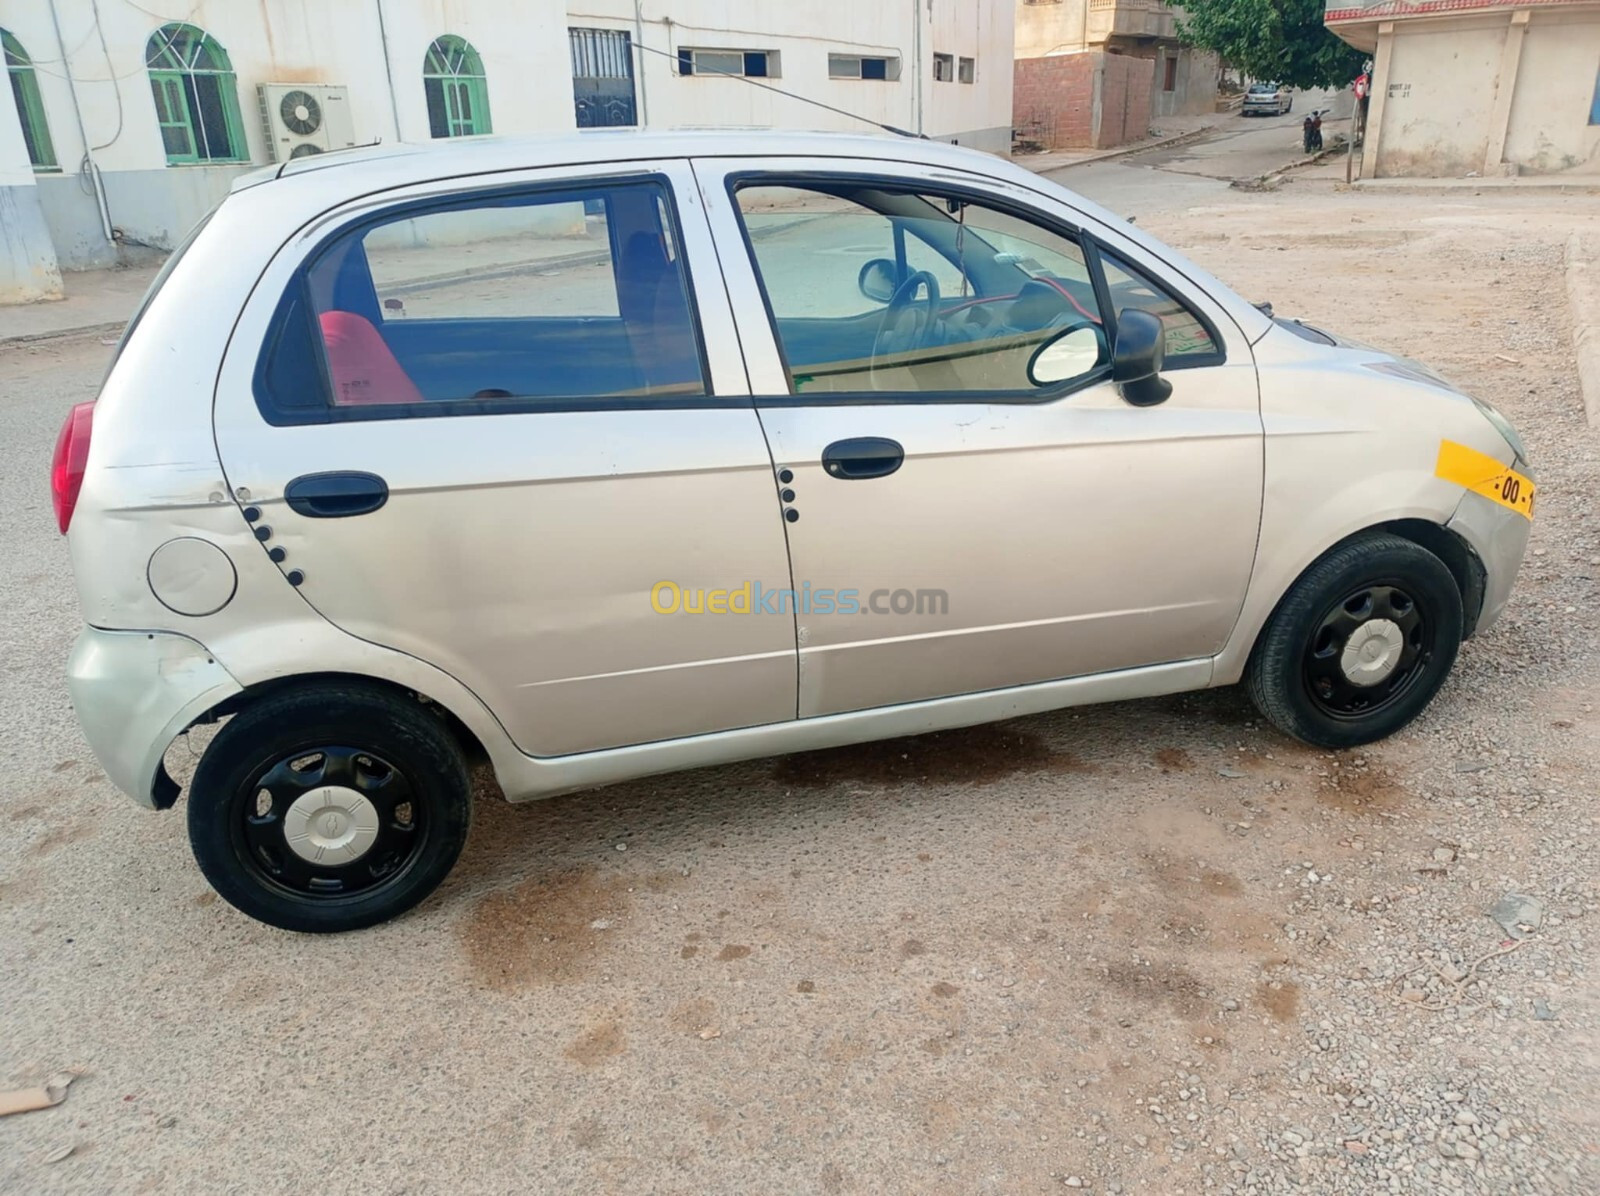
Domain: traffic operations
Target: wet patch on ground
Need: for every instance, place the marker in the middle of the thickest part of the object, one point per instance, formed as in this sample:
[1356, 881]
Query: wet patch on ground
[550, 929]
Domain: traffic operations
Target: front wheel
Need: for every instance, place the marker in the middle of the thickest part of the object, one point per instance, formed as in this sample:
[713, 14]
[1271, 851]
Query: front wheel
[1359, 645]
[329, 806]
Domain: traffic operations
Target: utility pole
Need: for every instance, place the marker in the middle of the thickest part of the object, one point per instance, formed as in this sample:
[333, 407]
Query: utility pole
[388, 70]
[916, 65]
[83, 133]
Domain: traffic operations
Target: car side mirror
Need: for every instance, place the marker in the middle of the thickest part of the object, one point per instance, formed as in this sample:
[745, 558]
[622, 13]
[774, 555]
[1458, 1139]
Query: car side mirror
[1136, 362]
[879, 279]
[1070, 353]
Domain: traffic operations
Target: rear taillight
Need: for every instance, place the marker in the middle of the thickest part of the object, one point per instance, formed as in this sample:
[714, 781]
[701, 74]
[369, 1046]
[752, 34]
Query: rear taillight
[72, 454]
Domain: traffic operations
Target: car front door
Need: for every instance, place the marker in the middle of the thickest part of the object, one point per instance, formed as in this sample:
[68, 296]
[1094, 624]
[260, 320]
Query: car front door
[961, 516]
[485, 423]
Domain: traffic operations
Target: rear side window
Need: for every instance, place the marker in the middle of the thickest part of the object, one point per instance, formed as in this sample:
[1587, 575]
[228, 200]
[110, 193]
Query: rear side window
[576, 297]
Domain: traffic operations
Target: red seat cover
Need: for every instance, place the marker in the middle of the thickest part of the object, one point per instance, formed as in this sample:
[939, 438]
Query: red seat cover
[364, 369]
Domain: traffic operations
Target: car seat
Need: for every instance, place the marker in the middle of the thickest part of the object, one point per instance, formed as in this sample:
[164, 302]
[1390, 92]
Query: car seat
[363, 367]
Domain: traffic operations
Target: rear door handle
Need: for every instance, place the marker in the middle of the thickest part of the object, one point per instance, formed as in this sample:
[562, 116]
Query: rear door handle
[863, 457]
[336, 495]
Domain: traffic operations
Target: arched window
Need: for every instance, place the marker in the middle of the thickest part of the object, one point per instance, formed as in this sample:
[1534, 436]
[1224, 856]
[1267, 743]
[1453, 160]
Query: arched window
[458, 93]
[197, 96]
[30, 108]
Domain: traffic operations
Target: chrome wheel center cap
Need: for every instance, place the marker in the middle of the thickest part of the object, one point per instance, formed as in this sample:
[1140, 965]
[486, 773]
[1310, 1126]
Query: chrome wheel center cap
[1372, 652]
[331, 825]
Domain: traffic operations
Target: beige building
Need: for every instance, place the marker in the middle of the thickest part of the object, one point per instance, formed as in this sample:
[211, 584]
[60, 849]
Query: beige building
[1489, 87]
[1096, 72]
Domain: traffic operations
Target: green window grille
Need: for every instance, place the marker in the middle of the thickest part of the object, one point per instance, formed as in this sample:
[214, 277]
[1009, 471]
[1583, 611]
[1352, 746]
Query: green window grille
[456, 88]
[30, 108]
[197, 97]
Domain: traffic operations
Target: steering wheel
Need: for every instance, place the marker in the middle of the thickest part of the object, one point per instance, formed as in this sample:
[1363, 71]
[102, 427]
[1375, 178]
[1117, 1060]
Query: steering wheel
[907, 322]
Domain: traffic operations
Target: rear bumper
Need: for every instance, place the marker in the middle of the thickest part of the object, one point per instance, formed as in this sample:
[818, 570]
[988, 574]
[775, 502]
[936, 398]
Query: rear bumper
[134, 692]
[1500, 537]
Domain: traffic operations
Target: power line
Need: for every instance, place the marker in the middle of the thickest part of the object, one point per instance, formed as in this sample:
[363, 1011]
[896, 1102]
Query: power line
[780, 91]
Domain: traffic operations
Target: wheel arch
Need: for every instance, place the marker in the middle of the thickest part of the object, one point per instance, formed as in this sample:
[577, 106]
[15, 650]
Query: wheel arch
[1457, 555]
[471, 745]
[166, 791]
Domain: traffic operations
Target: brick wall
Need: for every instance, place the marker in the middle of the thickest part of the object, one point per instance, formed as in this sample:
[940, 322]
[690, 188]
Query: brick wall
[1085, 100]
[1052, 99]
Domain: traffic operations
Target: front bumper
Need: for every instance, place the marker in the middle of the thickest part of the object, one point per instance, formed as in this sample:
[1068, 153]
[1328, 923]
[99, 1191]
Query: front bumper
[134, 693]
[1500, 538]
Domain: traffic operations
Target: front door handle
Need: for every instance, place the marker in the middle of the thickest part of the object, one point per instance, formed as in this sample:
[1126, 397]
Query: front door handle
[336, 495]
[862, 457]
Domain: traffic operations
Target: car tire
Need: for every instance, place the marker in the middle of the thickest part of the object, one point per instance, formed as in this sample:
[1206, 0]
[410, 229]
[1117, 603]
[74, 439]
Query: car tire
[1359, 645]
[1288, 106]
[329, 806]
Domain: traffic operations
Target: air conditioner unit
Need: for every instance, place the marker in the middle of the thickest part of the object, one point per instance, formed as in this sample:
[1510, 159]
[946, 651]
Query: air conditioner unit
[306, 118]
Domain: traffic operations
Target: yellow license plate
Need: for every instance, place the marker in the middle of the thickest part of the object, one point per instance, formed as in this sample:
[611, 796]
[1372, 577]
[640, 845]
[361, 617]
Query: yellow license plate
[1482, 474]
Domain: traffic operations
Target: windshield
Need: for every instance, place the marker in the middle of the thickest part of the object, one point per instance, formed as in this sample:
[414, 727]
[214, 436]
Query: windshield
[1257, 89]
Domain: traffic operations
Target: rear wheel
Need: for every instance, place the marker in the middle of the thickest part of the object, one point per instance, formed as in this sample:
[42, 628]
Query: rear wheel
[328, 807]
[1359, 645]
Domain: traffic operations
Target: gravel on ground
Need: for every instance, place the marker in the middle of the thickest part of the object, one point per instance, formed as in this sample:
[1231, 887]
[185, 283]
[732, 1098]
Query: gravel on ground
[1143, 947]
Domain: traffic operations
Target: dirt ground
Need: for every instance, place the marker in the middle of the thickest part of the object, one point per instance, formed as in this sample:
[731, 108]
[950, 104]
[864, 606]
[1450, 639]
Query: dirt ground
[1144, 947]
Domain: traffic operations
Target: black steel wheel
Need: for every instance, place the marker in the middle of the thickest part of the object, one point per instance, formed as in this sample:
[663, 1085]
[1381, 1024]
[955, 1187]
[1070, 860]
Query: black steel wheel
[1367, 650]
[1359, 645]
[329, 807]
[334, 820]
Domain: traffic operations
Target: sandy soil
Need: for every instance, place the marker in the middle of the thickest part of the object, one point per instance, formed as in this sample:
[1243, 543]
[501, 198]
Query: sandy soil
[1146, 947]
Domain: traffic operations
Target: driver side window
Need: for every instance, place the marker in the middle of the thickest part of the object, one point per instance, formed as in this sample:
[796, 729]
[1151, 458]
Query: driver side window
[879, 289]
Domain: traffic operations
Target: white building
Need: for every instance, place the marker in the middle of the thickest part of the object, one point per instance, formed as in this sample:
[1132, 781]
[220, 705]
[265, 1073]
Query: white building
[1486, 87]
[127, 127]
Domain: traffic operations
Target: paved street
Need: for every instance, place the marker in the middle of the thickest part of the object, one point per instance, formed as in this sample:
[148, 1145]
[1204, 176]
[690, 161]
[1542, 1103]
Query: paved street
[1141, 948]
[1169, 178]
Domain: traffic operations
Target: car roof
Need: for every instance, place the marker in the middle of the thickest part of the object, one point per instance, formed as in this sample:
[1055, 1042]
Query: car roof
[407, 161]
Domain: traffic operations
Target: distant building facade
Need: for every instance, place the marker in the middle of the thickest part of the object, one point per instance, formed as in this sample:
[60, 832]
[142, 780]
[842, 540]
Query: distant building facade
[1097, 72]
[1487, 87]
[126, 127]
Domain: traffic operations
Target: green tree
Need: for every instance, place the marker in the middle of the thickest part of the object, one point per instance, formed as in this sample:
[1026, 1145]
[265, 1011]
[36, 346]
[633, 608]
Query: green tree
[1281, 40]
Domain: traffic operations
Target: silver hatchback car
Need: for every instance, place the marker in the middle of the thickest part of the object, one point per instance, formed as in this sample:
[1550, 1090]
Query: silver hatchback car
[1267, 99]
[615, 454]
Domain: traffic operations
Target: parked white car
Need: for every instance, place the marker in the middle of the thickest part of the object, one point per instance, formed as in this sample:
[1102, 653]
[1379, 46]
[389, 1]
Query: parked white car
[1267, 99]
[614, 454]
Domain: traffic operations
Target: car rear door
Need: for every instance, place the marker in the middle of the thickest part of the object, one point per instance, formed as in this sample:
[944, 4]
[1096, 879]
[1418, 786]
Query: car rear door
[483, 422]
[965, 529]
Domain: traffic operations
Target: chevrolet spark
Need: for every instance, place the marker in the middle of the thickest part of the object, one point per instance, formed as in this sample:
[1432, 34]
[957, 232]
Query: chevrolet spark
[608, 455]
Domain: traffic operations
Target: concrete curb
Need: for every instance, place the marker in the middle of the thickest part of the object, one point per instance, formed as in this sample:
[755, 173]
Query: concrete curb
[1121, 151]
[1583, 293]
[1535, 182]
[58, 334]
[1273, 178]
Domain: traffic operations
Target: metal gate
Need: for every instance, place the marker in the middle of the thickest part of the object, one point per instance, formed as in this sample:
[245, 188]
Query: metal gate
[602, 77]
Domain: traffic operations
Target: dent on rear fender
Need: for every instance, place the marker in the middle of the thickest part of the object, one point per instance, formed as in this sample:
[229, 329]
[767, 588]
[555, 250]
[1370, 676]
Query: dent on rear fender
[134, 693]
